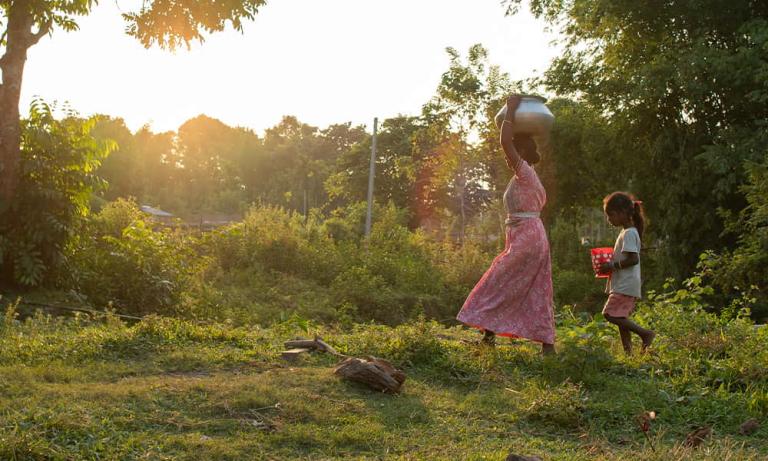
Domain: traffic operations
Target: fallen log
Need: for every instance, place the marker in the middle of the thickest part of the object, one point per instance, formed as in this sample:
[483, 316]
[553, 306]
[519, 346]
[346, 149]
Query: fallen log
[315, 344]
[373, 372]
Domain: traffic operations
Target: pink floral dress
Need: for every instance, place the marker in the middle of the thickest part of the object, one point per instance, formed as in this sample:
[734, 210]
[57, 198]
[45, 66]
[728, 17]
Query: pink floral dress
[514, 296]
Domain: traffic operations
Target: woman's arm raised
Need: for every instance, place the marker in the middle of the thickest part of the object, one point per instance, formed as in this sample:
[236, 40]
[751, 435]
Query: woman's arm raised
[507, 133]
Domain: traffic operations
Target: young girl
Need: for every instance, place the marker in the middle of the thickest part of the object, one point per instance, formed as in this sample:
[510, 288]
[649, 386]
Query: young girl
[622, 210]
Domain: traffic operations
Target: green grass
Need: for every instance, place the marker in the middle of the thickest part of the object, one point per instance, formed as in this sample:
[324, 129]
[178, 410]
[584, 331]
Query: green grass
[173, 389]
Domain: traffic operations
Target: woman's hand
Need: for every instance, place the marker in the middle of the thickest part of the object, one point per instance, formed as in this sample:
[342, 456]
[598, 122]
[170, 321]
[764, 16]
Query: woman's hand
[606, 268]
[513, 102]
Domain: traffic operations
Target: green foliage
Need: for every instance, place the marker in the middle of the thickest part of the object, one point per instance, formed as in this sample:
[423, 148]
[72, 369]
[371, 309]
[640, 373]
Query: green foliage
[743, 269]
[272, 264]
[559, 406]
[22, 25]
[396, 166]
[578, 288]
[458, 148]
[394, 275]
[413, 344]
[274, 239]
[585, 342]
[170, 25]
[391, 276]
[209, 167]
[572, 277]
[701, 348]
[580, 168]
[121, 261]
[59, 159]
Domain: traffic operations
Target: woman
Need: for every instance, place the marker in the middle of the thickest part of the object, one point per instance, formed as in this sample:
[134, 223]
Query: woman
[514, 297]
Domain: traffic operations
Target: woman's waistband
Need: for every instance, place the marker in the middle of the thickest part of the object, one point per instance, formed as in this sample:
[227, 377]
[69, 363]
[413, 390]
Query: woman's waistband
[515, 218]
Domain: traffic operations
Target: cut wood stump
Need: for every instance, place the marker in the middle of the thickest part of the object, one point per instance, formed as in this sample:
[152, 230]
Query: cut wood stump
[293, 355]
[376, 373]
[749, 427]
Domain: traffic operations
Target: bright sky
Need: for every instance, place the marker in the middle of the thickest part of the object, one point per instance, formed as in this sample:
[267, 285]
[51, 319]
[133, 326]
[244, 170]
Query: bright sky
[324, 61]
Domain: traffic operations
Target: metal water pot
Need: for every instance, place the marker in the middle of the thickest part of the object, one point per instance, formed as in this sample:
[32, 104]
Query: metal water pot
[532, 117]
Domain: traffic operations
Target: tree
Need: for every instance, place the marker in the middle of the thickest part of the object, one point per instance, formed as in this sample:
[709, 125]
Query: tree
[684, 82]
[462, 153]
[744, 269]
[395, 166]
[121, 170]
[296, 160]
[207, 151]
[169, 24]
[156, 160]
[447, 160]
[582, 142]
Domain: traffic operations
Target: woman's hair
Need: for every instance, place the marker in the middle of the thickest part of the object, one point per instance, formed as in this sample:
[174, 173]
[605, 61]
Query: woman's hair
[526, 148]
[626, 202]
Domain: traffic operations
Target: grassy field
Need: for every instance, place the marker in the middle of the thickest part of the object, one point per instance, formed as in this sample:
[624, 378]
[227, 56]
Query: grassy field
[172, 389]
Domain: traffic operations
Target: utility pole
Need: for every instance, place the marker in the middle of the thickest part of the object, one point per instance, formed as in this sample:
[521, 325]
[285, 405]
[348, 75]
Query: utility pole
[371, 174]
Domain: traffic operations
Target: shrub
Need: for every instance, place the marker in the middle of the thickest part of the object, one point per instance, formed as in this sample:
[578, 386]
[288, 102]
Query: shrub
[578, 288]
[136, 269]
[271, 238]
[583, 343]
[58, 159]
[744, 267]
[702, 347]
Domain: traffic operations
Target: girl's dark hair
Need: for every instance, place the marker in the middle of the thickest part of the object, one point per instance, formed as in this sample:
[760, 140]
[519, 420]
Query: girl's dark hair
[626, 202]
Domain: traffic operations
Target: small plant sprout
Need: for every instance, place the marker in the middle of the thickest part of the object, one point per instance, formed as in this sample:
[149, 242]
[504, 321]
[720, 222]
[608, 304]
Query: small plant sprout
[644, 422]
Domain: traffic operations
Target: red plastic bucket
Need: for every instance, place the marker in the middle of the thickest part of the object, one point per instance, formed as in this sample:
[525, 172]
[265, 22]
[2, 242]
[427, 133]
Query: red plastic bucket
[601, 256]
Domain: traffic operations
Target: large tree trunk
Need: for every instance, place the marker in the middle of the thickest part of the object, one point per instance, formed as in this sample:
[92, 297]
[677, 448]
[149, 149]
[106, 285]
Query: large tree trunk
[19, 39]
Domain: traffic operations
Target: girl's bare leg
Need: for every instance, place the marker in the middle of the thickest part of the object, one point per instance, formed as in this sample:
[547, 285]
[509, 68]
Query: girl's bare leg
[623, 322]
[547, 349]
[626, 339]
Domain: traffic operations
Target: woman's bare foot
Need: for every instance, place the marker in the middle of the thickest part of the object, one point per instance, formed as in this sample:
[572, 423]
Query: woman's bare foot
[648, 340]
[489, 338]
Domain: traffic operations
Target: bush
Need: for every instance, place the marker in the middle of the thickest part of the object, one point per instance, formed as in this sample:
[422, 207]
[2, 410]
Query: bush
[701, 347]
[392, 276]
[579, 289]
[271, 265]
[742, 269]
[58, 159]
[271, 238]
[134, 268]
